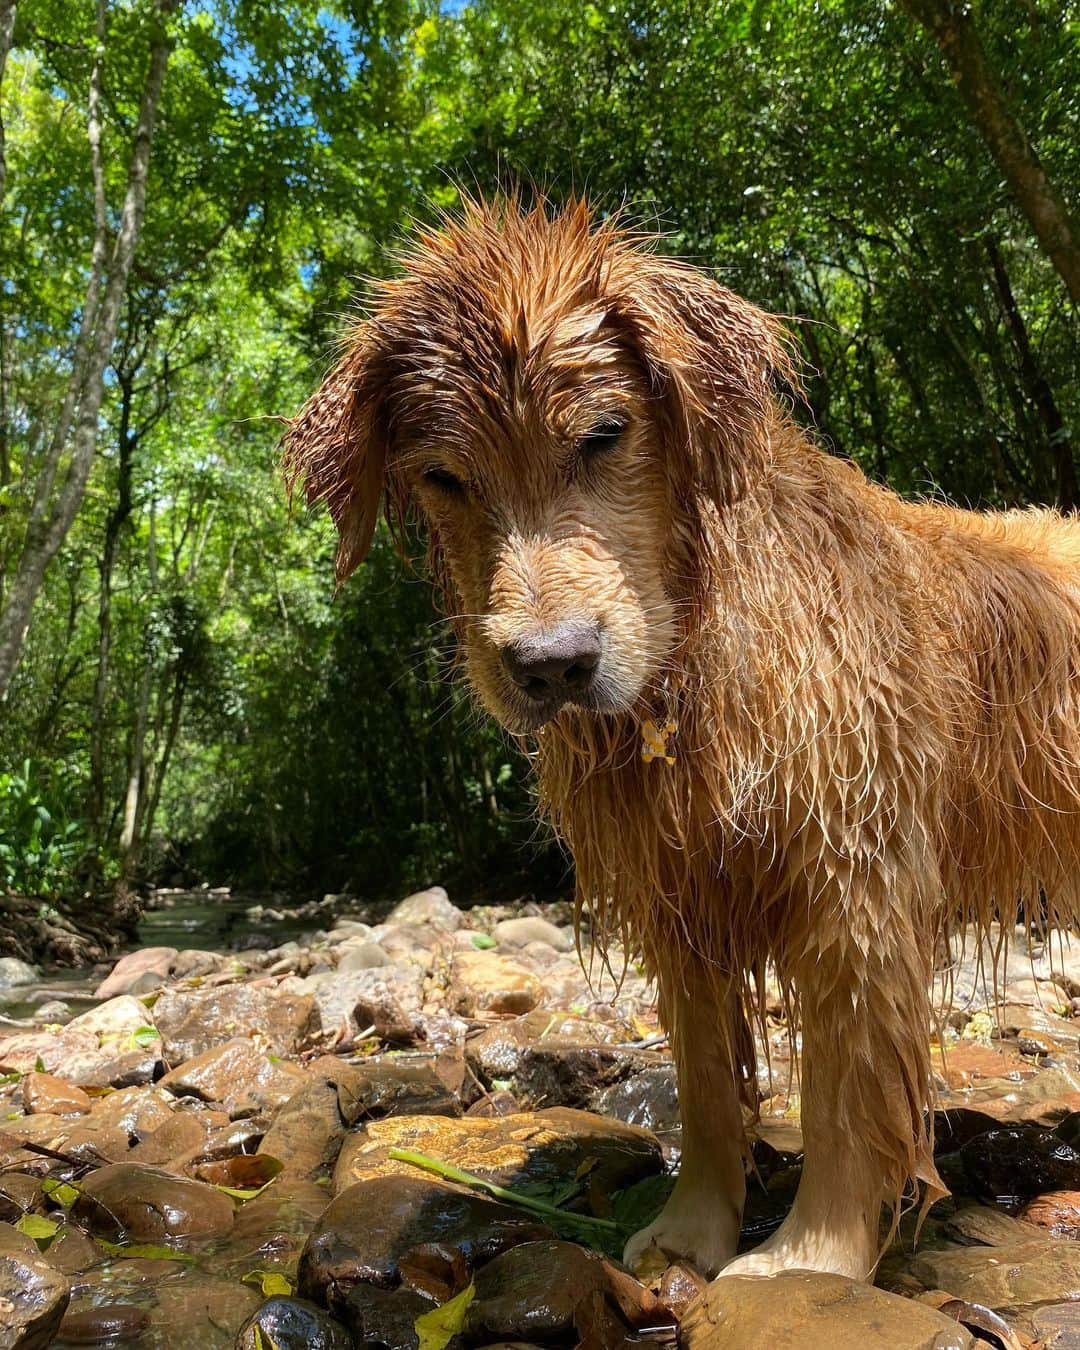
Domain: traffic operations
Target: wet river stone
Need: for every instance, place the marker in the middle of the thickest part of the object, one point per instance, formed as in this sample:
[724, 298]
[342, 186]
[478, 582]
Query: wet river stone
[242, 1077]
[1020, 1160]
[366, 1232]
[431, 907]
[293, 1324]
[33, 1296]
[798, 1309]
[192, 1021]
[552, 1290]
[1058, 1212]
[106, 1324]
[138, 972]
[1007, 1279]
[147, 1204]
[45, 1092]
[485, 982]
[529, 1148]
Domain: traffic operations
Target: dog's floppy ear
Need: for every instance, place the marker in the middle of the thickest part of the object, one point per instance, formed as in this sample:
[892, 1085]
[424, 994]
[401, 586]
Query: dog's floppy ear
[715, 360]
[336, 446]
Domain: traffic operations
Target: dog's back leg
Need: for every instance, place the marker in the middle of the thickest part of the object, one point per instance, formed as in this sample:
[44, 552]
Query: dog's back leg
[704, 1020]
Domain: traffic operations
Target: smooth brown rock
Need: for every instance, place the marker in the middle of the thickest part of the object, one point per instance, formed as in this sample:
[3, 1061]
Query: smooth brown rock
[147, 1204]
[293, 1324]
[205, 1311]
[1007, 1279]
[380, 1009]
[72, 1252]
[987, 1226]
[554, 1289]
[1020, 1160]
[798, 1309]
[105, 1324]
[280, 1219]
[497, 1051]
[1058, 1212]
[192, 1021]
[517, 933]
[310, 1128]
[194, 962]
[431, 907]
[138, 1111]
[368, 1228]
[20, 1194]
[44, 1092]
[155, 962]
[308, 1132]
[243, 1078]
[525, 1149]
[679, 1286]
[22, 1052]
[33, 1296]
[485, 982]
[338, 994]
[390, 1087]
[173, 1143]
[385, 1319]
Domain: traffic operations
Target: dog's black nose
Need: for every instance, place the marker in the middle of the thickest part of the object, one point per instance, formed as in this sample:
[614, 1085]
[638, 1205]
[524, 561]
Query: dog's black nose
[559, 663]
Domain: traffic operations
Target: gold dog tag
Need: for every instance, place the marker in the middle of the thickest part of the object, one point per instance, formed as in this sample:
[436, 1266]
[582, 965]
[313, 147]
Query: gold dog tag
[655, 741]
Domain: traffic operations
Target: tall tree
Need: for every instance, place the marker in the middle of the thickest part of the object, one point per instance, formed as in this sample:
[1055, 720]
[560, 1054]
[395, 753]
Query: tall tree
[52, 515]
[952, 24]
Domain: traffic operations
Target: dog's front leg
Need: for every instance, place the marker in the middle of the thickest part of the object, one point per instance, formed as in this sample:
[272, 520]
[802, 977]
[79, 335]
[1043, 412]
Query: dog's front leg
[865, 1089]
[701, 1219]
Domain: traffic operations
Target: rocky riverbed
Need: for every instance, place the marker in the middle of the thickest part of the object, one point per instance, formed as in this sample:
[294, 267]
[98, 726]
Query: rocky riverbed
[433, 1128]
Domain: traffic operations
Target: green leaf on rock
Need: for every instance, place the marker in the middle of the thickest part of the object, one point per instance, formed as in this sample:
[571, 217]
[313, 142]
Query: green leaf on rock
[143, 1251]
[142, 1038]
[580, 1222]
[482, 942]
[271, 1282]
[437, 1328]
[39, 1065]
[39, 1228]
[63, 1192]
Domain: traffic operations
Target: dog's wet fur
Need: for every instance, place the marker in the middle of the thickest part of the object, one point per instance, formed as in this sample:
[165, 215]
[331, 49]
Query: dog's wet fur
[877, 701]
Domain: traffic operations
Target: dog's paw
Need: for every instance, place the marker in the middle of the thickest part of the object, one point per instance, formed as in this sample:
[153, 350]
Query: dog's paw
[793, 1250]
[682, 1236]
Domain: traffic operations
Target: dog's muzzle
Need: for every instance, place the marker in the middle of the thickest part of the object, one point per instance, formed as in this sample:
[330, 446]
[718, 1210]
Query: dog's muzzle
[555, 666]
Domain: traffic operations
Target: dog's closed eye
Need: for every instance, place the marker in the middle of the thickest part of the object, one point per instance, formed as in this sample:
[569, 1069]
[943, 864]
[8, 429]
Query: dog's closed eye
[601, 438]
[446, 482]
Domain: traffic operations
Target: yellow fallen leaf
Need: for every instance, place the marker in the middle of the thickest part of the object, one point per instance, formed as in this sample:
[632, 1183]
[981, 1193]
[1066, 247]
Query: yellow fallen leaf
[271, 1282]
[437, 1328]
[36, 1226]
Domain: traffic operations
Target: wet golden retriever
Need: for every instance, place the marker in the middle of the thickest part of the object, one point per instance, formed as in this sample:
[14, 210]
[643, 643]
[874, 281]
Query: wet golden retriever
[779, 714]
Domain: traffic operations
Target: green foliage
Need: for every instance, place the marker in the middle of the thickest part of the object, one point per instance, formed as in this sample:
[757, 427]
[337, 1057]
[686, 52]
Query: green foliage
[196, 700]
[39, 846]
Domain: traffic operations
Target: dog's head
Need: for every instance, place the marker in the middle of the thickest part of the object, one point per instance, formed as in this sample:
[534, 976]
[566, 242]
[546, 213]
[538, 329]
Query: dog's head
[571, 415]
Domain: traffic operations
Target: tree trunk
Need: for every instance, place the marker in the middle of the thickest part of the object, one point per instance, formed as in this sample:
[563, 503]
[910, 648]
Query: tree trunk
[1037, 386]
[136, 761]
[951, 24]
[114, 527]
[45, 535]
[7, 30]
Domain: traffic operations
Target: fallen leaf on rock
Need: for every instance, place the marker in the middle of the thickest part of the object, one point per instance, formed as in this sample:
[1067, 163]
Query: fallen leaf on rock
[271, 1282]
[436, 1329]
[63, 1192]
[38, 1227]
[143, 1251]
